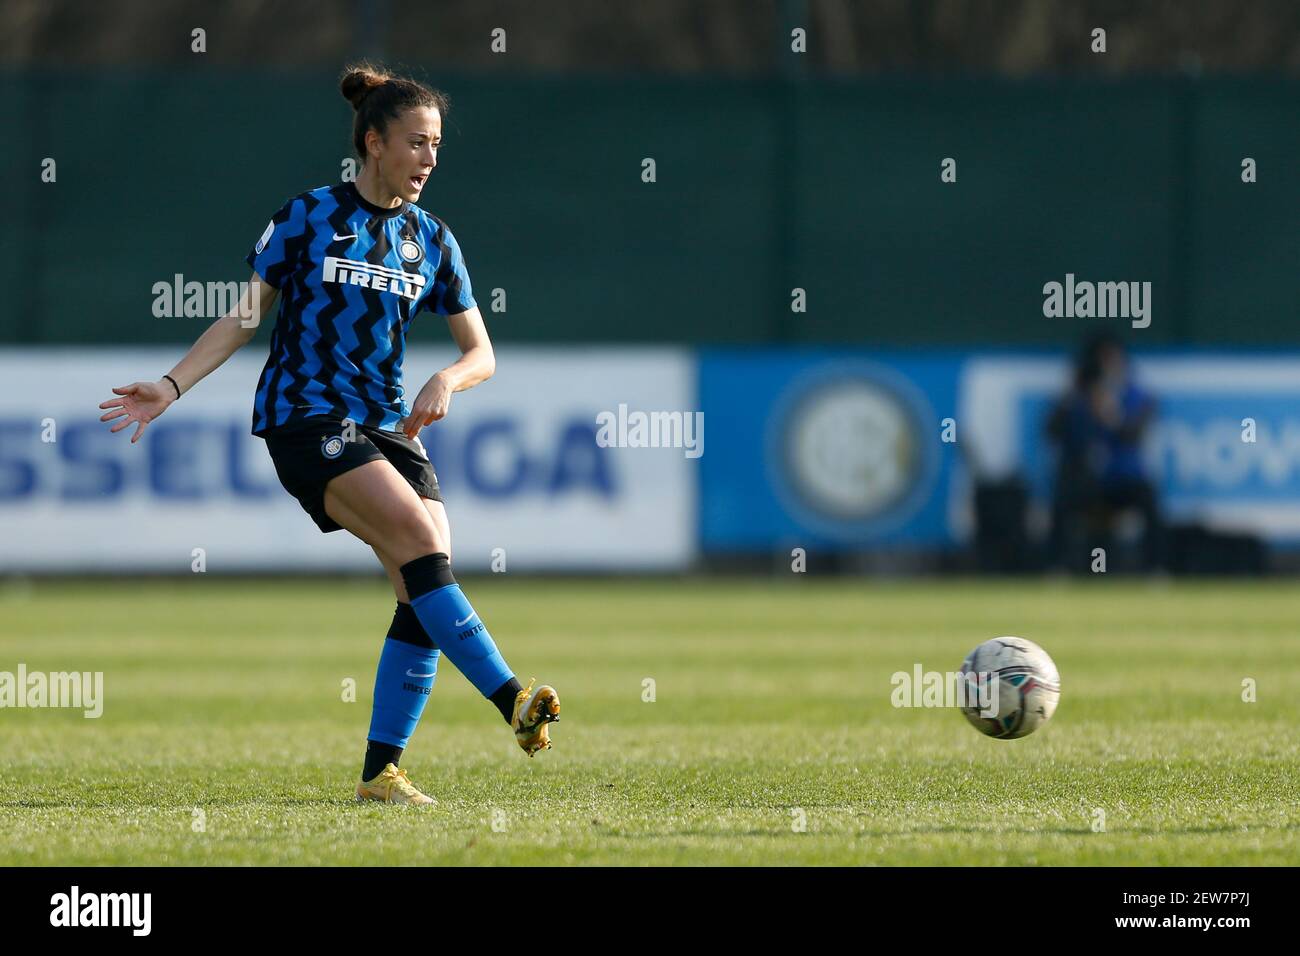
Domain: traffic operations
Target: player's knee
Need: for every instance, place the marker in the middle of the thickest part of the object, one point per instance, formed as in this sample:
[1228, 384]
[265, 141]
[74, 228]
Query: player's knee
[415, 540]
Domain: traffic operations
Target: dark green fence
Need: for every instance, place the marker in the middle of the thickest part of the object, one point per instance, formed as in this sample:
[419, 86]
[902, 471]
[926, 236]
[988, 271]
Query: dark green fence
[761, 187]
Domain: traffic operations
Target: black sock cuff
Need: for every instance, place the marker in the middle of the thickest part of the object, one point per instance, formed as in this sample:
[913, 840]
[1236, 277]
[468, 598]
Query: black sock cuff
[406, 627]
[504, 697]
[427, 573]
[378, 755]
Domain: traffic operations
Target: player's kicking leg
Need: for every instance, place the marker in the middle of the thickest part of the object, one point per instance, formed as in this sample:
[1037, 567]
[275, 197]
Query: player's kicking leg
[377, 505]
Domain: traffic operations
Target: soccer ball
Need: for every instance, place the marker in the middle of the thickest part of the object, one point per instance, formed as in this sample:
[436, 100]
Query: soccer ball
[1026, 683]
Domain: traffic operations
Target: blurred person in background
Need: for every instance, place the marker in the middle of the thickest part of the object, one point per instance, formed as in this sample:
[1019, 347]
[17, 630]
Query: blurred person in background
[1098, 427]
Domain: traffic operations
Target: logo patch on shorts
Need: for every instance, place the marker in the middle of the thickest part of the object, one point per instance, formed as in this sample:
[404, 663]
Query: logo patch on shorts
[332, 447]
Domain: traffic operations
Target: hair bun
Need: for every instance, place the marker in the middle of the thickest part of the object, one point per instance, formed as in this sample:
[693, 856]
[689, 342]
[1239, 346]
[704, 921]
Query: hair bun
[374, 111]
[358, 81]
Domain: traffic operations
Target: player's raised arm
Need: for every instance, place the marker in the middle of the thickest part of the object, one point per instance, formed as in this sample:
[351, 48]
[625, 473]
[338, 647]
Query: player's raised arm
[476, 364]
[142, 402]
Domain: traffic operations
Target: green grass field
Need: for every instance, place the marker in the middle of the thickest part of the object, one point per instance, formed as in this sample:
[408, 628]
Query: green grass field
[772, 707]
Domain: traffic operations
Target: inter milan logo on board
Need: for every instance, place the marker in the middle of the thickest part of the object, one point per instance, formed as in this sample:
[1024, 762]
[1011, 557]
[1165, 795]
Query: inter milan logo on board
[410, 250]
[332, 447]
[865, 484]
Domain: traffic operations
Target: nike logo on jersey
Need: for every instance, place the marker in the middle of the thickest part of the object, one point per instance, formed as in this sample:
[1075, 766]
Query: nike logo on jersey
[367, 275]
[351, 235]
[466, 621]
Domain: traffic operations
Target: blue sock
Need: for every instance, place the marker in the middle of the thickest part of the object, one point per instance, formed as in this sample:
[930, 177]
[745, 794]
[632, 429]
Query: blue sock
[408, 667]
[453, 624]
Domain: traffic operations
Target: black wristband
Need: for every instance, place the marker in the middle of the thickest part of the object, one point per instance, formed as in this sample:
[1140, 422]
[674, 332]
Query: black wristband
[174, 385]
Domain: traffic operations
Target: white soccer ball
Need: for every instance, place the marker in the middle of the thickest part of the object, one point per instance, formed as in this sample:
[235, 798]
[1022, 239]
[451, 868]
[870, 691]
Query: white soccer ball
[1026, 683]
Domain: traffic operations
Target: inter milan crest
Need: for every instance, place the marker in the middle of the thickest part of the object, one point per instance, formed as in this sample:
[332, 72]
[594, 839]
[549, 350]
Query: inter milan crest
[332, 447]
[410, 251]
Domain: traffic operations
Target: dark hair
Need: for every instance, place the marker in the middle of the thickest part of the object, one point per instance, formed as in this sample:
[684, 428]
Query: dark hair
[379, 97]
[1088, 364]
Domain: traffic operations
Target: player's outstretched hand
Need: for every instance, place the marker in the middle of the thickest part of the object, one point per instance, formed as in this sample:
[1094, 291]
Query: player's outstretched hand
[140, 402]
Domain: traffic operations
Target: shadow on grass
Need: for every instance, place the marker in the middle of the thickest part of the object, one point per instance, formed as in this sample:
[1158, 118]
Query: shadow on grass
[182, 806]
[867, 833]
[1084, 831]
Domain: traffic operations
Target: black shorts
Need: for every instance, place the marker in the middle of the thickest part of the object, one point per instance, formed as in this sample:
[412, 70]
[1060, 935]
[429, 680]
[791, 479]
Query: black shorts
[309, 452]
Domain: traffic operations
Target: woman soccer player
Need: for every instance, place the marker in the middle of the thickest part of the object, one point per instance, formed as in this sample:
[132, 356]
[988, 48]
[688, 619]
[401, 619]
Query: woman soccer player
[354, 263]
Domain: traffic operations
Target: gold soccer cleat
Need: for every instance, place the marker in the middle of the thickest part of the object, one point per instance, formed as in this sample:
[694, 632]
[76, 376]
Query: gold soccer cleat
[534, 712]
[391, 786]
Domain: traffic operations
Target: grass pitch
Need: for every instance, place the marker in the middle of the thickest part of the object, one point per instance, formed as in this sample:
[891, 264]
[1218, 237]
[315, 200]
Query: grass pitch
[771, 739]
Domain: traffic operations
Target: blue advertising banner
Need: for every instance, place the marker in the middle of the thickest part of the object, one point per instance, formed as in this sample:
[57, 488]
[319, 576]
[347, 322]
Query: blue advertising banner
[828, 448]
[1223, 449]
[855, 450]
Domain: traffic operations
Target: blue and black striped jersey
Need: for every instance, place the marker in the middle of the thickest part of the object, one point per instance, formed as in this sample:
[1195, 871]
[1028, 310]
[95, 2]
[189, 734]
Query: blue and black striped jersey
[351, 277]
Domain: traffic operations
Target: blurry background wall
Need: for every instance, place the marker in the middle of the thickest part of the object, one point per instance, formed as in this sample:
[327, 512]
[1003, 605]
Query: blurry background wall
[775, 171]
